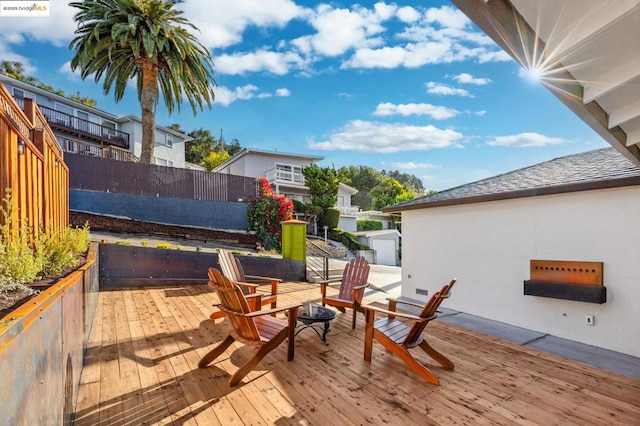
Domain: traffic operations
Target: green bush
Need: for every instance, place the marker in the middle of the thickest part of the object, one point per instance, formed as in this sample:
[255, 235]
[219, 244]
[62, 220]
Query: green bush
[346, 238]
[163, 245]
[299, 206]
[25, 259]
[330, 218]
[369, 225]
[62, 249]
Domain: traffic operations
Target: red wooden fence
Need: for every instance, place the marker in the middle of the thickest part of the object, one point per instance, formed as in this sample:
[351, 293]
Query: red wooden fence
[32, 167]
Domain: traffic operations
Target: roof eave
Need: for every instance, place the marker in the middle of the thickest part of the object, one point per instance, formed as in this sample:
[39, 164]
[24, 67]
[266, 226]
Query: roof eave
[530, 192]
[504, 24]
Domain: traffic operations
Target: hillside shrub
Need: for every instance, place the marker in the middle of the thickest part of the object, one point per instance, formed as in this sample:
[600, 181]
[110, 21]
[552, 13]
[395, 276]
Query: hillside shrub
[25, 258]
[346, 238]
[330, 218]
[265, 214]
[369, 225]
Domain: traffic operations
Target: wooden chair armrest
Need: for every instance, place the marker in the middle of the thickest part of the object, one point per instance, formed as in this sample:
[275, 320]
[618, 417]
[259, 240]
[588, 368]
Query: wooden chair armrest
[257, 278]
[416, 305]
[397, 314]
[333, 280]
[252, 287]
[274, 310]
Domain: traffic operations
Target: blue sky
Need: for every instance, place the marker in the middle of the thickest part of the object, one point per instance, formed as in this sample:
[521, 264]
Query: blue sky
[410, 86]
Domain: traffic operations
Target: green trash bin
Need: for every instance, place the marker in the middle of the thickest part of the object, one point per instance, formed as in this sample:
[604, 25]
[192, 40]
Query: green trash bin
[294, 240]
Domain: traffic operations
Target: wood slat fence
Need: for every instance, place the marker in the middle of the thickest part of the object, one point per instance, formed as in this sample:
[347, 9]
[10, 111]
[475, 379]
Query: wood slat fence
[32, 167]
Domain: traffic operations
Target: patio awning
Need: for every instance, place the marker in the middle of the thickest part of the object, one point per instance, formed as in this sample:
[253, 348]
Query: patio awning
[584, 51]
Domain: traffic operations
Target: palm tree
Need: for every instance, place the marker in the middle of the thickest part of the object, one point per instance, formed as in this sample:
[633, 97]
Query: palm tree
[147, 41]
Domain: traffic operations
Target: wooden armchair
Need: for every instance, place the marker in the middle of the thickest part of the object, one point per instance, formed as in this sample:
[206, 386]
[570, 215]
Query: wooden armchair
[398, 337]
[352, 285]
[254, 328]
[232, 269]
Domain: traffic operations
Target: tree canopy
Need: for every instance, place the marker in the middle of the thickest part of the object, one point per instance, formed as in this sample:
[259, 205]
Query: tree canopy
[377, 190]
[323, 184]
[15, 69]
[147, 41]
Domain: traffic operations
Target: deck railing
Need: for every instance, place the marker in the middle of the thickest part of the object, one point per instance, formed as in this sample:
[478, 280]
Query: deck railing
[86, 128]
[32, 169]
[276, 175]
[113, 152]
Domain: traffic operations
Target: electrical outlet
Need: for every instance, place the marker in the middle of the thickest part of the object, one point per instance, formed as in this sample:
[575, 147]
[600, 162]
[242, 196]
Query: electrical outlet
[422, 291]
[589, 319]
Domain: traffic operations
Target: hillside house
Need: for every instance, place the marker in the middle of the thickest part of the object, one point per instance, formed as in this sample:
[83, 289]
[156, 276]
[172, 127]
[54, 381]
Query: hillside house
[81, 129]
[284, 172]
[486, 234]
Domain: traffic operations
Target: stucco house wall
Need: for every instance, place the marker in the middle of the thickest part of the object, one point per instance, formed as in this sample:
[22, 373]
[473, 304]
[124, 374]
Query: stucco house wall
[488, 246]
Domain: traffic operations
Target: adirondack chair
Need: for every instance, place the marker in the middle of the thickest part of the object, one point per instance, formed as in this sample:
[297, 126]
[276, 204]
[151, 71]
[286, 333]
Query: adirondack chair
[398, 337]
[352, 285]
[232, 269]
[254, 328]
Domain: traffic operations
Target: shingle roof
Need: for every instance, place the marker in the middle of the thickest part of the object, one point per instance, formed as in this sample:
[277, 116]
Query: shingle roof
[572, 171]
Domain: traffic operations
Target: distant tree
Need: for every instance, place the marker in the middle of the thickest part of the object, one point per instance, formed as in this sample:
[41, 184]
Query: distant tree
[214, 159]
[201, 145]
[147, 41]
[176, 128]
[234, 147]
[13, 69]
[388, 193]
[323, 184]
[363, 178]
[411, 182]
[83, 100]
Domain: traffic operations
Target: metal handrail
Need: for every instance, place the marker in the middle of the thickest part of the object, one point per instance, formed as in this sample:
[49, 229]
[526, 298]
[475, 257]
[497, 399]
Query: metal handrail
[318, 259]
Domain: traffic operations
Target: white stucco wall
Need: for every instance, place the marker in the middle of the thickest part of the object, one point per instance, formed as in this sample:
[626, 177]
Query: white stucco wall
[488, 246]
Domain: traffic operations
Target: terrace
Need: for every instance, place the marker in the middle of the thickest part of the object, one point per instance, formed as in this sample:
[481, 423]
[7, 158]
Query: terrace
[145, 344]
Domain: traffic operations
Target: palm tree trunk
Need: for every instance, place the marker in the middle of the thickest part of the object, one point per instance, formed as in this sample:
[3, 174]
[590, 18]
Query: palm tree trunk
[148, 102]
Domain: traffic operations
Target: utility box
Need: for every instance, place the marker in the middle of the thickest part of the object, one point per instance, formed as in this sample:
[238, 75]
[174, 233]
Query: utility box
[294, 240]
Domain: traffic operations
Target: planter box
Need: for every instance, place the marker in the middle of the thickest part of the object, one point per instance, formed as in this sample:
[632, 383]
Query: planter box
[42, 347]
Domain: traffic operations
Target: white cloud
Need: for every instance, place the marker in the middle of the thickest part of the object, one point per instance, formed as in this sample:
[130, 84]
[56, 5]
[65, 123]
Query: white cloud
[413, 166]
[442, 89]
[408, 14]
[447, 17]
[527, 139]
[433, 111]
[368, 136]
[427, 177]
[339, 30]
[259, 61]
[222, 22]
[226, 96]
[466, 78]
[494, 56]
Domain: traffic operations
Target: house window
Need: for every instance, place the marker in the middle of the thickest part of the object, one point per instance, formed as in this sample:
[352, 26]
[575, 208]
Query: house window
[109, 128]
[162, 162]
[289, 173]
[21, 94]
[169, 140]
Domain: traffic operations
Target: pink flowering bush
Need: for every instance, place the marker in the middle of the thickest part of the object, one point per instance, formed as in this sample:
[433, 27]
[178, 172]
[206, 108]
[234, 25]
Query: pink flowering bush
[266, 211]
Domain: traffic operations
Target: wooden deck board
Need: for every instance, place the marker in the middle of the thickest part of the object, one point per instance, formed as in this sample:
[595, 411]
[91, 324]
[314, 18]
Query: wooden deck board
[146, 343]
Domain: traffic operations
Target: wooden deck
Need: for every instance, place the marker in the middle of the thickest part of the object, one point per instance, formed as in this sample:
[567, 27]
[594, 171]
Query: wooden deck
[141, 369]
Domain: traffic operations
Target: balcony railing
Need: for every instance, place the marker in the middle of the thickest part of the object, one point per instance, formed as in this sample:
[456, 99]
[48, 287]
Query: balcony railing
[84, 148]
[280, 176]
[348, 210]
[84, 128]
